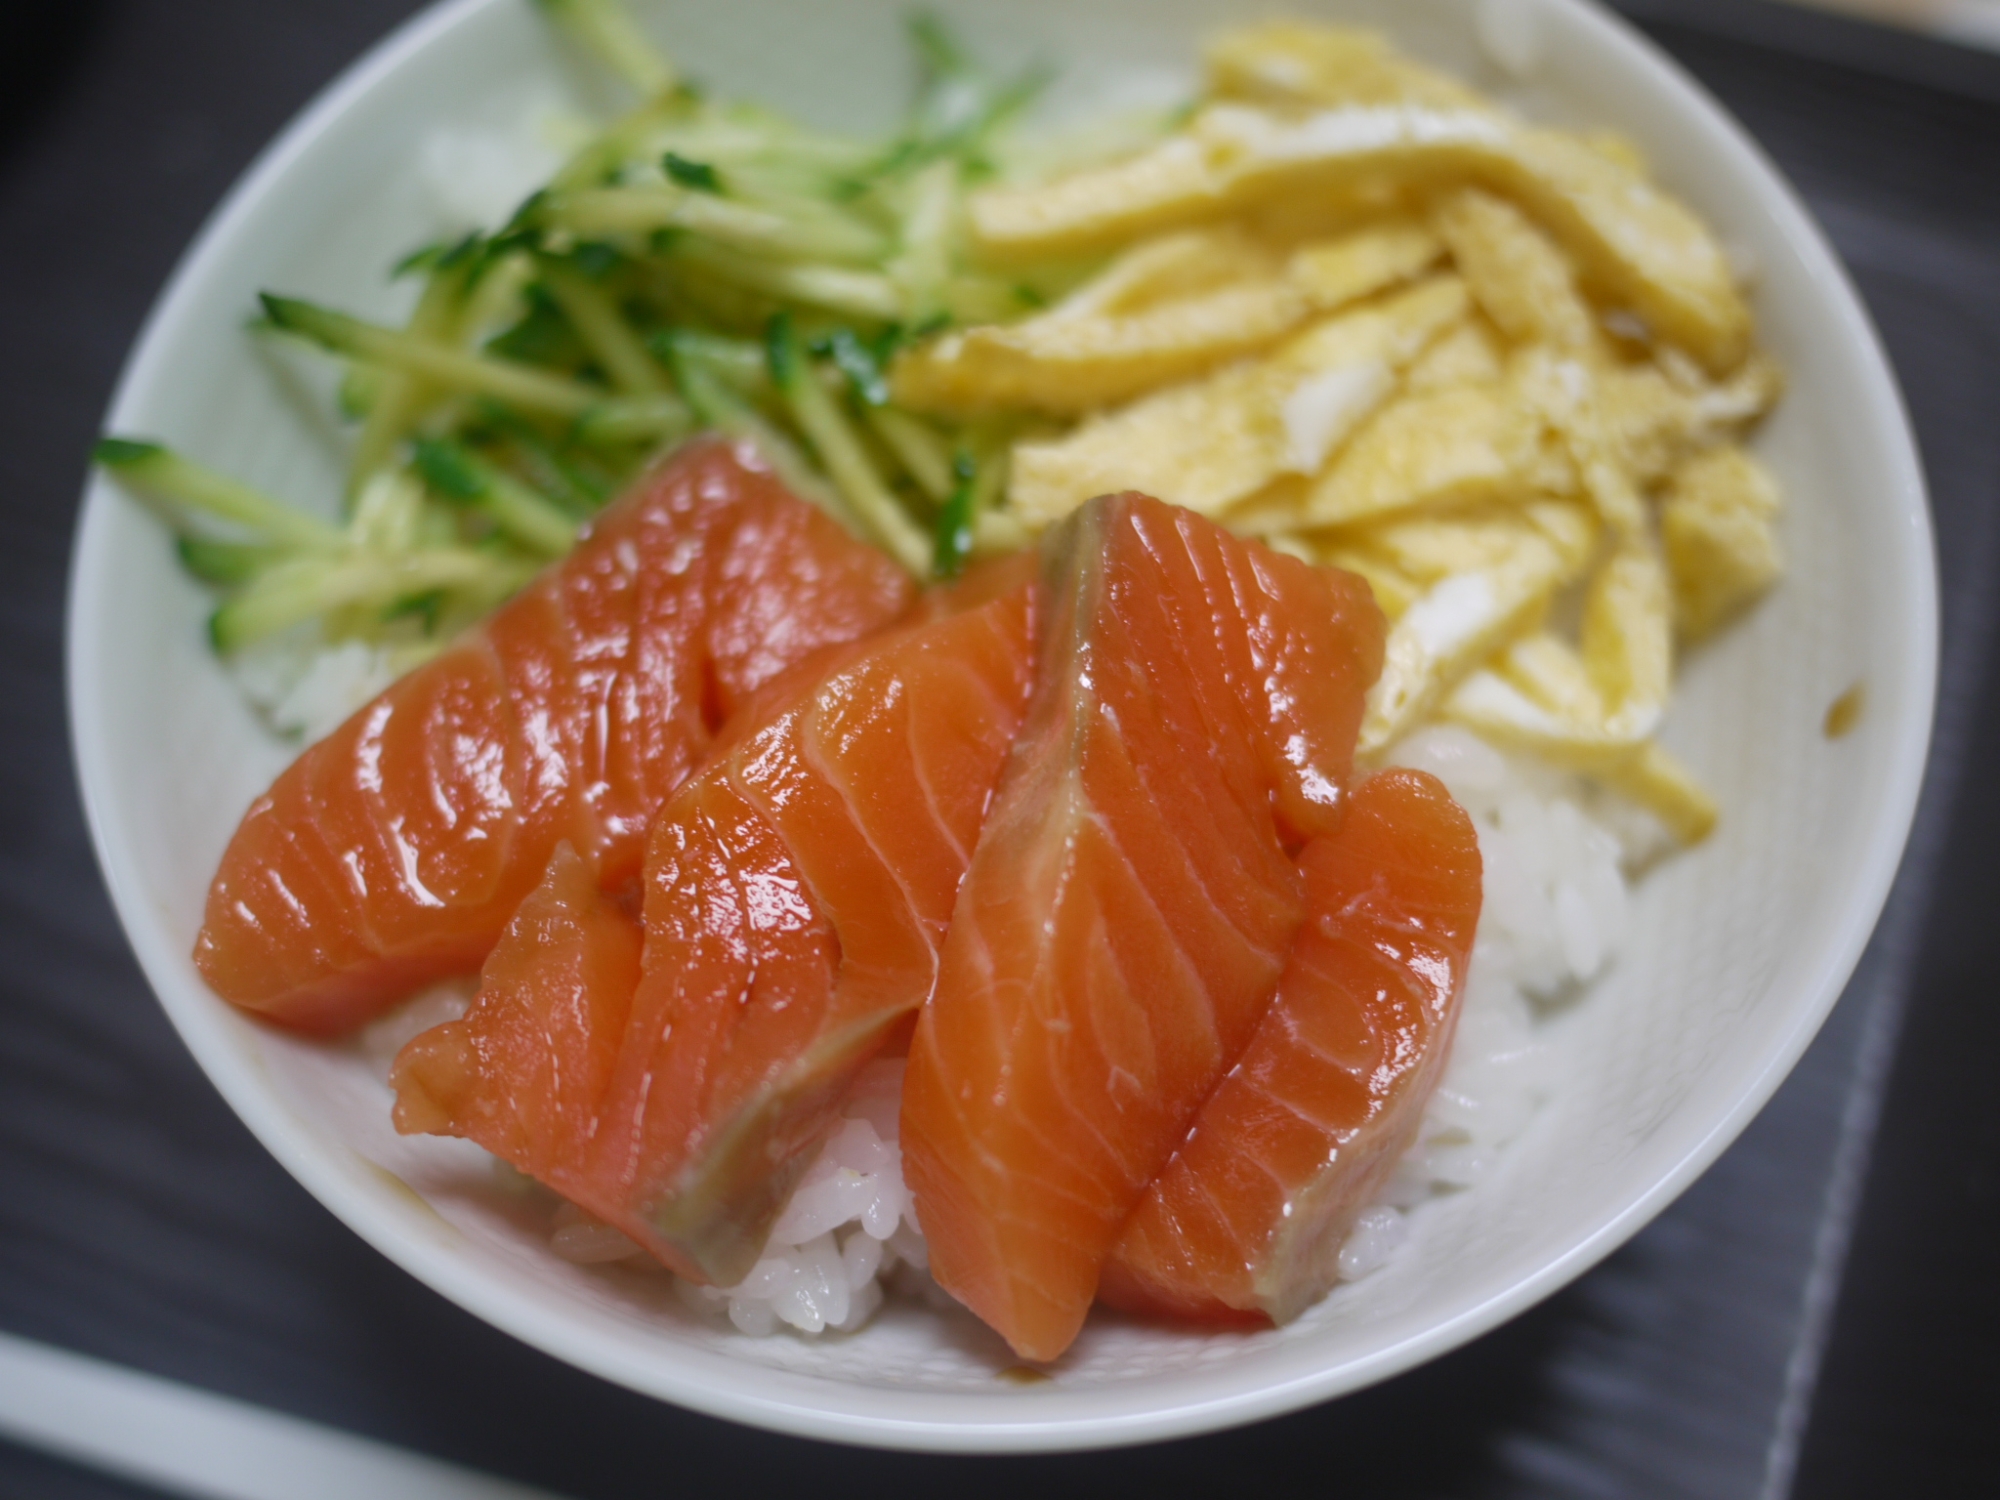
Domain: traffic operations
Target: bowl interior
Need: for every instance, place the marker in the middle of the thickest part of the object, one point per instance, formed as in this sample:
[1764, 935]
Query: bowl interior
[1738, 948]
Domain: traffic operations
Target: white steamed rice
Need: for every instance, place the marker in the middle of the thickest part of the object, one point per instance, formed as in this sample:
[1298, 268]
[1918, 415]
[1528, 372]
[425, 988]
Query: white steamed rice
[1557, 859]
[304, 688]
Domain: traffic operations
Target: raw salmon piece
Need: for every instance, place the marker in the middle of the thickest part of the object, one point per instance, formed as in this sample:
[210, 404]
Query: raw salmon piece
[797, 893]
[1129, 910]
[393, 852]
[1247, 1220]
[555, 992]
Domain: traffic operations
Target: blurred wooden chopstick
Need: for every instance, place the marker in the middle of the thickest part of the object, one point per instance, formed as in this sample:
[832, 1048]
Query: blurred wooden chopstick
[189, 1442]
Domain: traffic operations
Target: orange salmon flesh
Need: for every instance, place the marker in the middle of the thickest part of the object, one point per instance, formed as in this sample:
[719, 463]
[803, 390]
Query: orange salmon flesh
[394, 851]
[1247, 1220]
[1132, 903]
[797, 894]
[720, 809]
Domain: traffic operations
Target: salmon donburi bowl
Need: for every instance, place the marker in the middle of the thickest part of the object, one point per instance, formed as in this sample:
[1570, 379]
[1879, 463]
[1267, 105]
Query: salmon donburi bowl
[1161, 723]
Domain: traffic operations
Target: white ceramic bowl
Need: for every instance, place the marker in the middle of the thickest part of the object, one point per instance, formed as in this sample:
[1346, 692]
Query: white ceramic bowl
[1739, 951]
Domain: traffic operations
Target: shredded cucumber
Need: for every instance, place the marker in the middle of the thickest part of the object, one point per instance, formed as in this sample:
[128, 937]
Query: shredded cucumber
[696, 264]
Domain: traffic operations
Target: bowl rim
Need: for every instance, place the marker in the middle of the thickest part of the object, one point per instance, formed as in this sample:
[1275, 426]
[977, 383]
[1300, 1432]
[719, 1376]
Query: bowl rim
[822, 1408]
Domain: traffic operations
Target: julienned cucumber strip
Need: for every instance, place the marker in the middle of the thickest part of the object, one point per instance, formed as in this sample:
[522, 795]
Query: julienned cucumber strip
[647, 207]
[858, 363]
[459, 476]
[919, 448]
[837, 289]
[157, 470]
[923, 269]
[603, 329]
[625, 420]
[360, 390]
[399, 396]
[607, 29]
[840, 450]
[725, 409]
[961, 108]
[297, 589]
[696, 264]
[738, 363]
[971, 521]
[954, 526]
[225, 564]
[522, 385]
[559, 478]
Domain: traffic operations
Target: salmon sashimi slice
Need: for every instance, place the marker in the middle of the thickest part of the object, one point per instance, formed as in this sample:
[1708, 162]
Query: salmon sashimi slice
[1129, 910]
[797, 893]
[1247, 1220]
[394, 851]
[553, 998]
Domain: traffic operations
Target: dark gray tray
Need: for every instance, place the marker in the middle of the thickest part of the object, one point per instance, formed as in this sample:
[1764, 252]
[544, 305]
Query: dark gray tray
[139, 1222]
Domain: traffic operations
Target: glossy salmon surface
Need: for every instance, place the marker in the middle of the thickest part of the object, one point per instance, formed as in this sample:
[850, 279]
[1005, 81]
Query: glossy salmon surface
[393, 852]
[797, 893]
[553, 999]
[1247, 1220]
[1134, 898]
